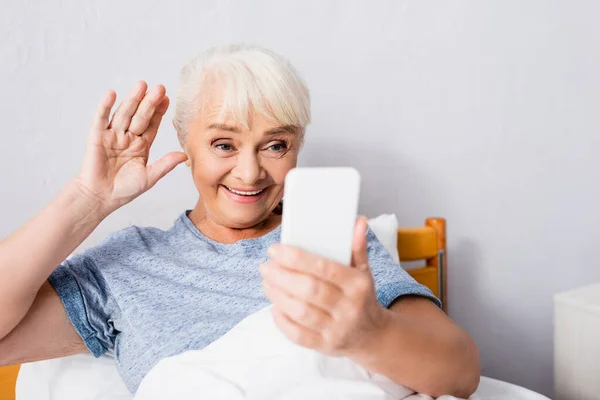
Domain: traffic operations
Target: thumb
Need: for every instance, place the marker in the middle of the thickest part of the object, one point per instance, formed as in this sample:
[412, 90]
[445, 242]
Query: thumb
[360, 258]
[159, 168]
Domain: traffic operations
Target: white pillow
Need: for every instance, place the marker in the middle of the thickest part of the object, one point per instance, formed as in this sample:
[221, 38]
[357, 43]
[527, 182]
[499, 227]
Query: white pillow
[79, 377]
[83, 377]
[385, 228]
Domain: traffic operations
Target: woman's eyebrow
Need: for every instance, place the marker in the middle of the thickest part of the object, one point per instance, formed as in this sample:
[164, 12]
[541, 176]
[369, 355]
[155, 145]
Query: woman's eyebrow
[273, 131]
[224, 127]
[283, 129]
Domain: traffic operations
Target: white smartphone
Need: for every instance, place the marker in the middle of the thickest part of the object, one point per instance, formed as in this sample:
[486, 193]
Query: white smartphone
[319, 211]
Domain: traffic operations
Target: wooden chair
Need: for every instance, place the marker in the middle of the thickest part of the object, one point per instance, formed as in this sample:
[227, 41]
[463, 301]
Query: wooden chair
[8, 381]
[427, 243]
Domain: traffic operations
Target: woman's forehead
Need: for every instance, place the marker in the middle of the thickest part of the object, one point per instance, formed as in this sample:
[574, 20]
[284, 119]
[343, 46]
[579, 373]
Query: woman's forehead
[217, 115]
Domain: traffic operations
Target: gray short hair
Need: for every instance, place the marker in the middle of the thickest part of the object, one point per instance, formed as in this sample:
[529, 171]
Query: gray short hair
[250, 78]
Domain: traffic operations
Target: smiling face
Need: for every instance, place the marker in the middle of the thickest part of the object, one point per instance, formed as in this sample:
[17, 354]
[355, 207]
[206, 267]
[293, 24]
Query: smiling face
[240, 171]
[240, 116]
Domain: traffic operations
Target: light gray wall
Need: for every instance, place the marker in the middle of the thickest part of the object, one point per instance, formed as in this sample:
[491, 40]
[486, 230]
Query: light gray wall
[484, 112]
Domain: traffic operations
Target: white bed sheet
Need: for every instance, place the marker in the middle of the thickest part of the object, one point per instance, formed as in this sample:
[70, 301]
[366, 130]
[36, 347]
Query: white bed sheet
[83, 377]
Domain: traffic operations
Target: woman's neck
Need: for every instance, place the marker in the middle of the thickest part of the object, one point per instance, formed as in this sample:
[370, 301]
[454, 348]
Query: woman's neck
[224, 234]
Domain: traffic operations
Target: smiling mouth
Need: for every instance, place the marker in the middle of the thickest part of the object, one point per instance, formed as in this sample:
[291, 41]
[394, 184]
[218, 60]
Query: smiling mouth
[244, 192]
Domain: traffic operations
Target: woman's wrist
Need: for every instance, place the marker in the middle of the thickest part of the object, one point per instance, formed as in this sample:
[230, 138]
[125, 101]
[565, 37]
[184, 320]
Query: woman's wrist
[368, 351]
[85, 206]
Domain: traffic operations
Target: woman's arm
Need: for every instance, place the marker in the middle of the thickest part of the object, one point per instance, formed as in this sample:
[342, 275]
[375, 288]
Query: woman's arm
[421, 348]
[45, 332]
[334, 309]
[114, 172]
[28, 256]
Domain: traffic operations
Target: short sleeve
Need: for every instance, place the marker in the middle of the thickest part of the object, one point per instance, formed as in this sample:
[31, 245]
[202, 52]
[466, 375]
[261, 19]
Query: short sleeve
[391, 280]
[87, 301]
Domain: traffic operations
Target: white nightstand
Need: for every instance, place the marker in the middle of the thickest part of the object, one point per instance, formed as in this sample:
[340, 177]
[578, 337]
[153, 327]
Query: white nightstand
[577, 344]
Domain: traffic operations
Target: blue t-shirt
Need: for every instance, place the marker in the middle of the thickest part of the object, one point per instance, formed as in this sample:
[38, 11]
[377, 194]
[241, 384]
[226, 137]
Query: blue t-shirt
[150, 294]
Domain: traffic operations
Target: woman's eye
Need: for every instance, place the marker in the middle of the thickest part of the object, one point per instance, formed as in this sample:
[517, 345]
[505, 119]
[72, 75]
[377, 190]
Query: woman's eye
[224, 146]
[277, 147]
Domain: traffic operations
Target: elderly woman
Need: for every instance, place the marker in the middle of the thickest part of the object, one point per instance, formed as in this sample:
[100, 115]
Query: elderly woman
[241, 115]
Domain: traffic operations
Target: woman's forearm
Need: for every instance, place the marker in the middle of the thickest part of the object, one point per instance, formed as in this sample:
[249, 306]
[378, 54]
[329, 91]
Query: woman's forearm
[29, 255]
[114, 171]
[429, 355]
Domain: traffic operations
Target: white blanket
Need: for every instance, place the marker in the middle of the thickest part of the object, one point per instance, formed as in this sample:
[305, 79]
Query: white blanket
[256, 361]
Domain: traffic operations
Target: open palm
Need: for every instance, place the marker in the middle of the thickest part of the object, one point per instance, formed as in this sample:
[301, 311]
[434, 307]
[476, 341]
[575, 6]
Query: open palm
[115, 168]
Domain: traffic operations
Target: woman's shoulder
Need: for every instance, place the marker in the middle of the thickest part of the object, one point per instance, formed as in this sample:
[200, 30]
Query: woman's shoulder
[135, 239]
[135, 234]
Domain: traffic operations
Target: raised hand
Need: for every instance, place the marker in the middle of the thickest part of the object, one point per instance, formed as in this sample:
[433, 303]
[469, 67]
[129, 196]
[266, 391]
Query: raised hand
[115, 168]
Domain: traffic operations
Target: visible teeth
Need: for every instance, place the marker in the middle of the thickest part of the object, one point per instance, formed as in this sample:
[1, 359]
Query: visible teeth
[243, 193]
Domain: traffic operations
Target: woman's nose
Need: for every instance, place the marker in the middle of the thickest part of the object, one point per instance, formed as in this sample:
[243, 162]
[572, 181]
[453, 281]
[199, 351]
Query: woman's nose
[248, 168]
